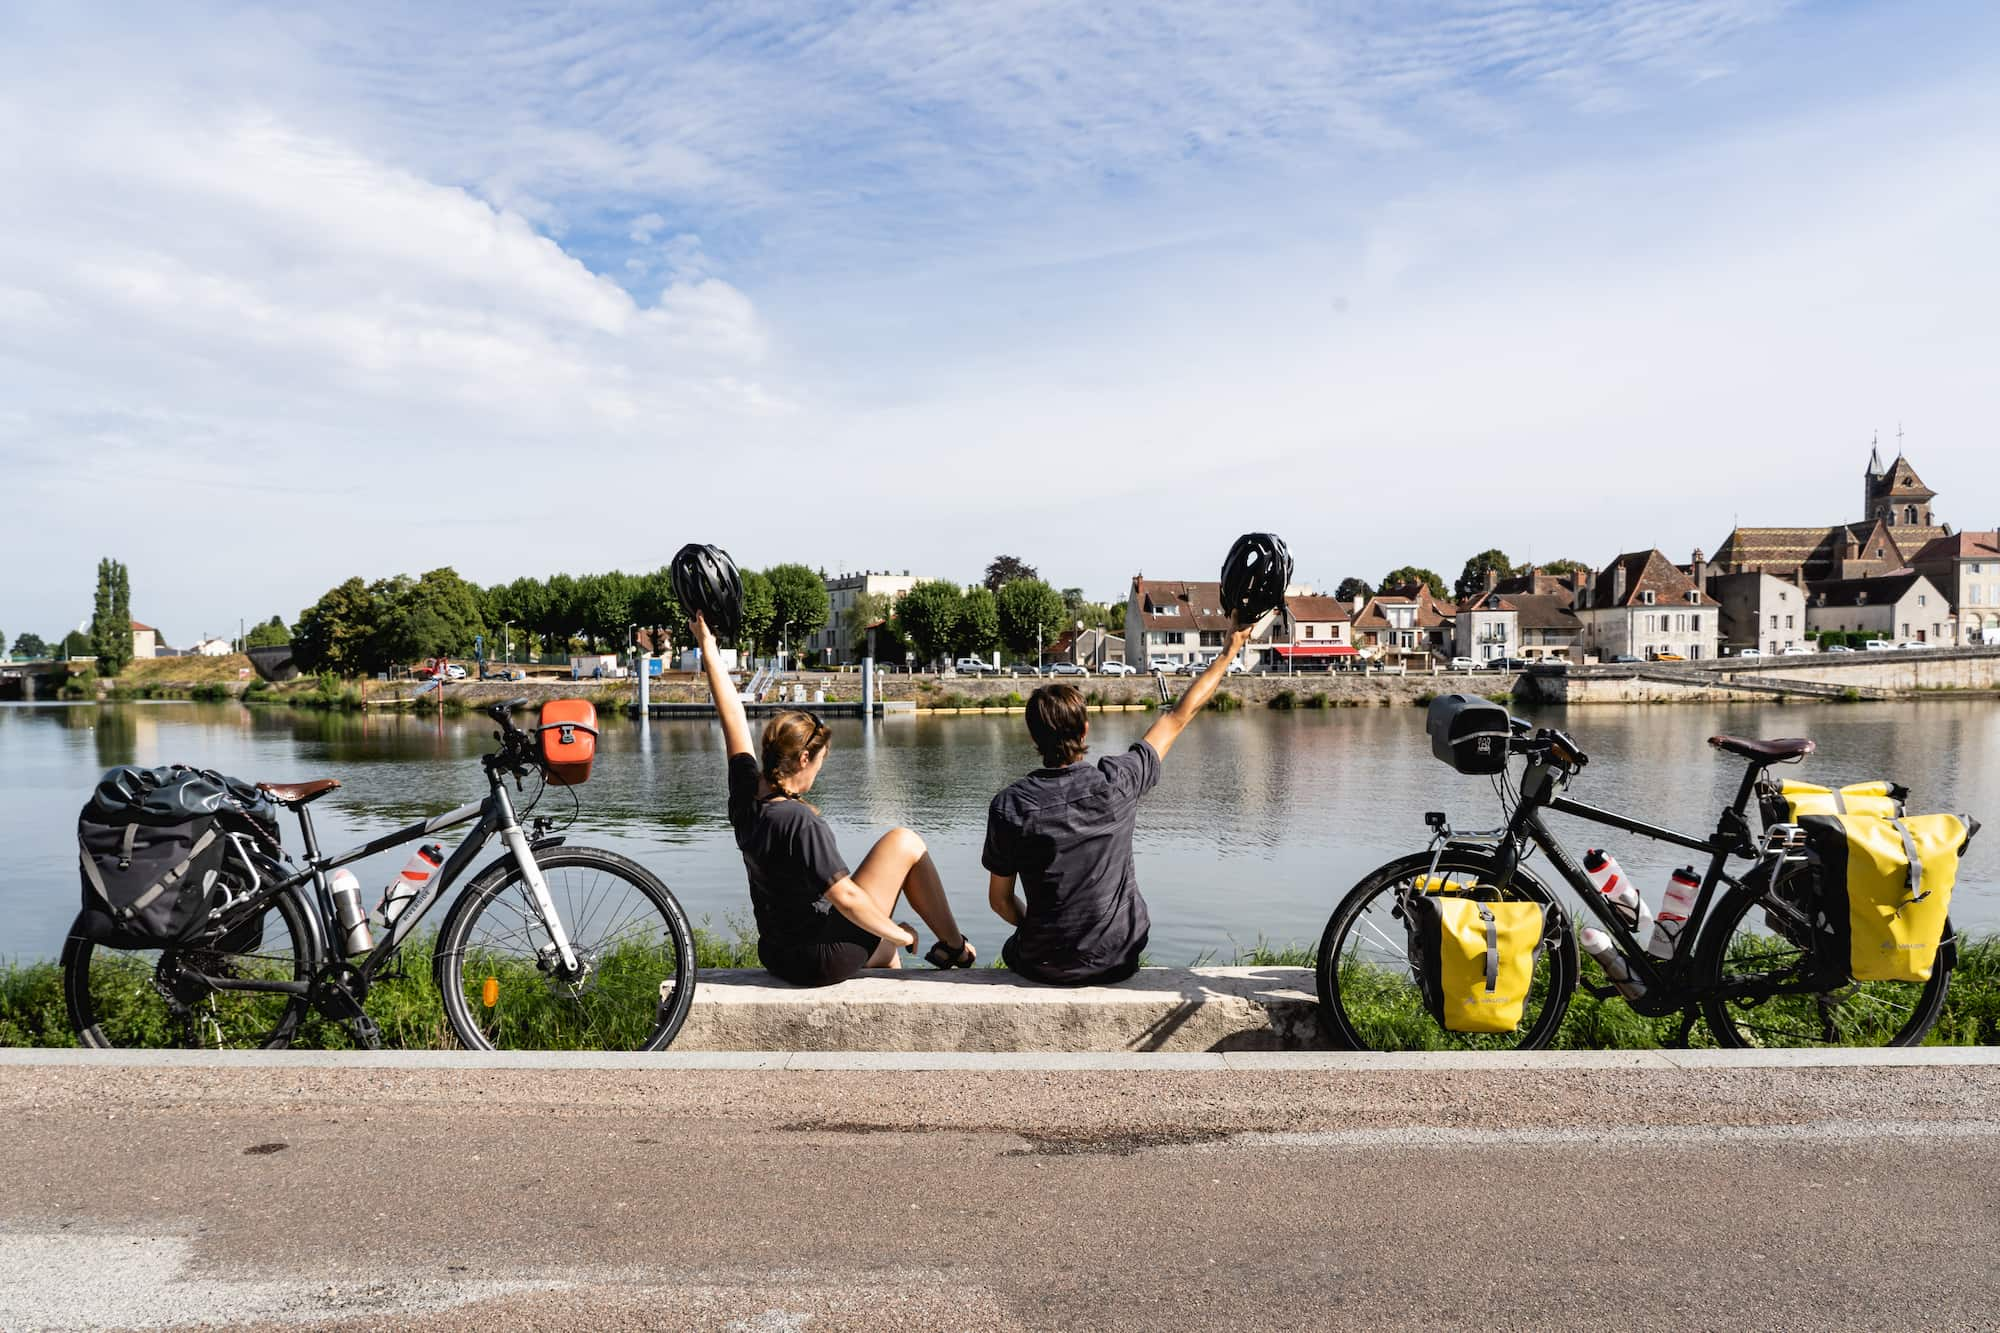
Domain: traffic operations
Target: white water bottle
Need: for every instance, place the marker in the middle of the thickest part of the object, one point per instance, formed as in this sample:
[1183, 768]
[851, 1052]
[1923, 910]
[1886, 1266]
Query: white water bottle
[345, 890]
[1600, 946]
[1674, 909]
[409, 883]
[1608, 878]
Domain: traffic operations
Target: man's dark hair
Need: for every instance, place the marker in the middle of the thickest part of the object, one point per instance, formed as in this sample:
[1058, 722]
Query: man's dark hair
[1056, 720]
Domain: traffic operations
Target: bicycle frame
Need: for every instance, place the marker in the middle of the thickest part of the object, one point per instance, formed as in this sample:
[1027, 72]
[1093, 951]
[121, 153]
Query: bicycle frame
[495, 815]
[1668, 982]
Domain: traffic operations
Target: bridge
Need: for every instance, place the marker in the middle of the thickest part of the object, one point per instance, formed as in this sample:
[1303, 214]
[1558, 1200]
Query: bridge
[38, 679]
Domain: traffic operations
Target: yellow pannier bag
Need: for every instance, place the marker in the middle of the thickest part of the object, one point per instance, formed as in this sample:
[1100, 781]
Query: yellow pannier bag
[1473, 956]
[1796, 800]
[1898, 876]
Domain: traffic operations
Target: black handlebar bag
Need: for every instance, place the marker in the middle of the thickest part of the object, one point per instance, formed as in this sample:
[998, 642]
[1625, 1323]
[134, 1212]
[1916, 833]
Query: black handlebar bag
[152, 846]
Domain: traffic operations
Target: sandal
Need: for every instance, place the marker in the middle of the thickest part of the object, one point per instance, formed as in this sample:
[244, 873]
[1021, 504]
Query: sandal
[943, 959]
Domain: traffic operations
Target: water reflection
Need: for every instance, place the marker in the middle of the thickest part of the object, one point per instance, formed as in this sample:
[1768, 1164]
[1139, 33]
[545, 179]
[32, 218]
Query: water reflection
[1261, 821]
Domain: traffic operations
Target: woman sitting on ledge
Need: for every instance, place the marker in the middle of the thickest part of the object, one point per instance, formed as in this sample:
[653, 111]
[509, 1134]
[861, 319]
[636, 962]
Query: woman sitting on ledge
[817, 923]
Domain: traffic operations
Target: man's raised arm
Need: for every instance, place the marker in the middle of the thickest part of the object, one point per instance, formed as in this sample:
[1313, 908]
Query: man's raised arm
[1163, 733]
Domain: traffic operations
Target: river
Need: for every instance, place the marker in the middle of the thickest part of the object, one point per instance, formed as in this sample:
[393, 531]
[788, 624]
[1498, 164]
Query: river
[1261, 821]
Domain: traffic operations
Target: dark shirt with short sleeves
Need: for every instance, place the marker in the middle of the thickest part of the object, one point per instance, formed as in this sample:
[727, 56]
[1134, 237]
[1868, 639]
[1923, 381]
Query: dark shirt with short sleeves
[791, 856]
[1067, 833]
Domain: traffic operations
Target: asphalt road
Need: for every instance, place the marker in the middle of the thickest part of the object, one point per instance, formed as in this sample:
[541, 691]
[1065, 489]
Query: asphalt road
[1767, 1199]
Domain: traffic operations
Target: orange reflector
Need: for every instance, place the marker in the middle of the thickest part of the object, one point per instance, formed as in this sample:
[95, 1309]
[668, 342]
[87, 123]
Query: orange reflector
[489, 994]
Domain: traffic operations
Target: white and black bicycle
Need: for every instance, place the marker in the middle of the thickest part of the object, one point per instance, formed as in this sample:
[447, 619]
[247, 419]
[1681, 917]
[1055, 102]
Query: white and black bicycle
[547, 947]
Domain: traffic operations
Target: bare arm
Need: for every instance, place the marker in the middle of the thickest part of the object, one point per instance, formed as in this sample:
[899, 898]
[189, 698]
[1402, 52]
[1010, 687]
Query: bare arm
[853, 902]
[728, 704]
[1163, 733]
[1006, 903]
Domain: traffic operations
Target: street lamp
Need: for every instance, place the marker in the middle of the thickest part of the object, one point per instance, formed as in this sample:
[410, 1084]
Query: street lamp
[784, 645]
[1077, 642]
[507, 641]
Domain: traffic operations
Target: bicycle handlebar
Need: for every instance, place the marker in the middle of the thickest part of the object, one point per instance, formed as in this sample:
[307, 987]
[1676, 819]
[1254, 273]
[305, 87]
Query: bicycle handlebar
[1546, 743]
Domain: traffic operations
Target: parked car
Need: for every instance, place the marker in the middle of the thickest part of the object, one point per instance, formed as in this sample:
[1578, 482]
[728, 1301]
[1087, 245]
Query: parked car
[1882, 645]
[1119, 669]
[1024, 669]
[1625, 657]
[453, 671]
[1069, 669]
[1749, 652]
[1512, 664]
[1668, 657]
[1799, 650]
[1166, 664]
[973, 666]
[1463, 664]
[1836, 648]
[1194, 666]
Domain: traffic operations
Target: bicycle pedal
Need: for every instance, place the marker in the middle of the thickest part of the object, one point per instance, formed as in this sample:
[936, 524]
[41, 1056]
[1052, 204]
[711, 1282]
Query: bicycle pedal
[367, 1033]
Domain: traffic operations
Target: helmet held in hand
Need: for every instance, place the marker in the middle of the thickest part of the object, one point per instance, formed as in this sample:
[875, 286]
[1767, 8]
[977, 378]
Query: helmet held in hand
[1255, 576]
[706, 582]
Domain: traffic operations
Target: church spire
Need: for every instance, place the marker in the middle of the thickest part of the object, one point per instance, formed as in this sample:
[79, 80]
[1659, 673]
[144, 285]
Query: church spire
[1875, 455]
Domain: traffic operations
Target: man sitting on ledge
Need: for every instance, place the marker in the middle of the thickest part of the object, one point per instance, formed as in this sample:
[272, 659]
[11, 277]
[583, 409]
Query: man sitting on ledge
[1065, 831]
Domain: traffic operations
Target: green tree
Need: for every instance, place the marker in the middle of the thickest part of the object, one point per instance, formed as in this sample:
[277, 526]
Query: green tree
[1408, 574]
[799, 602]
[1351, 588]
[1004, 569]
[759, 633]
[1472, 579]
[76, 643]
[927, 615]
[1031, 614]
[560, 618]
[524, 602]
[332, 634]
[1564, 566]
[31, 646]
[655, 607]
[867, 609]
[435, 615]
[978, 629]
[110, 633]
[604, 607]
[272, 633]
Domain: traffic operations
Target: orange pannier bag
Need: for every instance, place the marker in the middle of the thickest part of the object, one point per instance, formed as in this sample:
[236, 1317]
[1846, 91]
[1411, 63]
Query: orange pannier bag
[568, 736]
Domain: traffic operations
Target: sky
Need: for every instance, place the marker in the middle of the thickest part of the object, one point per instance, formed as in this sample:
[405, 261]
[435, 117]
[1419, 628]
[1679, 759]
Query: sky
[289, 294]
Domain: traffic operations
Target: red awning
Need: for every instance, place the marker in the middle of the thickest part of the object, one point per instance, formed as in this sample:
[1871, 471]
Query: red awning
[1313, 650]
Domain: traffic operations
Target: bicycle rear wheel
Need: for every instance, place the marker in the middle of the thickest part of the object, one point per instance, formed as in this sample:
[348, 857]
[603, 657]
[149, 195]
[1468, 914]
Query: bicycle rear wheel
[161, 997]
[505, 988]
[1756, 979]
[1368, 997]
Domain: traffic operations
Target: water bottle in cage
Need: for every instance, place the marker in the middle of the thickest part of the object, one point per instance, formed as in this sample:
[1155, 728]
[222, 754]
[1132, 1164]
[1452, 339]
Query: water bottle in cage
[1674, 908]
[409, 883]
[1609, 879]
[1601, 947]
[345, 890]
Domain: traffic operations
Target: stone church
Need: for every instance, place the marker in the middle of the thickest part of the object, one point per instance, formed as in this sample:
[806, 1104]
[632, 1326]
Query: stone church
[1896, 522]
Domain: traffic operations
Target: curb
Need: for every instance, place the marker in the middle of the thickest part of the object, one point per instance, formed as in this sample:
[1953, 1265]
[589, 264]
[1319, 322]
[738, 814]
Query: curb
[1265, 1062]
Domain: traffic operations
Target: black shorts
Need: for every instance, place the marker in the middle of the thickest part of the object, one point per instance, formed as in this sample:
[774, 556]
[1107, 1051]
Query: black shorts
[1110, 976]
[839, 951]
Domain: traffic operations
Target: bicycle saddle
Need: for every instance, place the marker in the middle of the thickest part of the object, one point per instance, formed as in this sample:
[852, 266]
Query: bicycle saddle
[296, 794]
[1764, 752]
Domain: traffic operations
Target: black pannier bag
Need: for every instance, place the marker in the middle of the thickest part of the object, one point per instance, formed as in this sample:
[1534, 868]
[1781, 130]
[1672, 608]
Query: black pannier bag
[154, 846]
[1469, 733]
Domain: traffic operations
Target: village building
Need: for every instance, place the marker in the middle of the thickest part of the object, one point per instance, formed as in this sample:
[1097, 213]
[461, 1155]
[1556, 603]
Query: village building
[1896, 521]
[1311, 632]
[145, 642]
[1643, 605]
[1965, 567]
[1399, 625]
[835, 641]
[1487, 628]
[1549, 629]
[1533, 582]
[1089, 648]
[1758, 610]
[1174, 622]
[1904, 608]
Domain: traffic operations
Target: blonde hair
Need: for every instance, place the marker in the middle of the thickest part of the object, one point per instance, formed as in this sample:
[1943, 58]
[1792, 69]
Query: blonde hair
[791, 739]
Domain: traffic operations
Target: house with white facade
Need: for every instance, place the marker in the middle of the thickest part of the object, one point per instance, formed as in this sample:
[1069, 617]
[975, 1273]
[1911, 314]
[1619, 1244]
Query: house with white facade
[835, 640]
[1176, 621]
[1487, 628]
[1965, 567]
[1759, 610]
[1400, 625]
[1311, 632]
[1644, 606]
[1905, 607]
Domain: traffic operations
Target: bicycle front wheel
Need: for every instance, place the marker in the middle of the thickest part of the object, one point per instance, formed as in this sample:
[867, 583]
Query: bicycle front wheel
[1368, 996]
[1758, 980]
[504, 983]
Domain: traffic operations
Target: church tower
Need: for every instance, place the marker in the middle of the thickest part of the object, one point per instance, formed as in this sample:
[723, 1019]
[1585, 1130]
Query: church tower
[1897, 497]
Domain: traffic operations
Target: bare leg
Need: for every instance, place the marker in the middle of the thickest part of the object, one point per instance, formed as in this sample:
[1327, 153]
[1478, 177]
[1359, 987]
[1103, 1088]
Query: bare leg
[900, 866]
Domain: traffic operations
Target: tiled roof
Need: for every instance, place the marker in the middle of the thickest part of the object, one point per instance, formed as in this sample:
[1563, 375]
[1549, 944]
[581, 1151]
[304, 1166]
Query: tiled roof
[1959, 546]
[1883, 590]
[1479, 603]
[137, 628]
[1317, 609]
[1430, 612]
[1816, 550]
[1901, 481]
[1539, 584]
[1546, 611]
[1180, 605]
[1645, 571]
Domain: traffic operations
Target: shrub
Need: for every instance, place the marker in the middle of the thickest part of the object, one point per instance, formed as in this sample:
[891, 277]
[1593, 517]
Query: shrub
[1284, 700]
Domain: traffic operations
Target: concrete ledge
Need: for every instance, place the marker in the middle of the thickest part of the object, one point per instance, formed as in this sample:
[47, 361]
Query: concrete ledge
[989, 1010]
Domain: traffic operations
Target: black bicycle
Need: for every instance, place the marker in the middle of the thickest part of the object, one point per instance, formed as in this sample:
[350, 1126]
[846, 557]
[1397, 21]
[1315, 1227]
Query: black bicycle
[548, 946]
[1749, 959]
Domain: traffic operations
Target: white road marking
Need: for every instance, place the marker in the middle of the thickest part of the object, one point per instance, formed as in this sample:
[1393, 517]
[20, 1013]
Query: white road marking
[1451, 1138]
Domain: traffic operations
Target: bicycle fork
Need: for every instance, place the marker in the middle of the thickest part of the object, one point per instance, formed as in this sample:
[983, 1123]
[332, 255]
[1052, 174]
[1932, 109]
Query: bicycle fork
[538, 887]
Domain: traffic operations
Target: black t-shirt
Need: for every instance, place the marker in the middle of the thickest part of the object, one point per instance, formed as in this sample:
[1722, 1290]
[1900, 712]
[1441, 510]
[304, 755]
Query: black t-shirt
[1067, 832]
[790, 854]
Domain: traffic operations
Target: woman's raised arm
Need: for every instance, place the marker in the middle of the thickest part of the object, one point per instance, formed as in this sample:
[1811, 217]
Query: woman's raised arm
[728, 704]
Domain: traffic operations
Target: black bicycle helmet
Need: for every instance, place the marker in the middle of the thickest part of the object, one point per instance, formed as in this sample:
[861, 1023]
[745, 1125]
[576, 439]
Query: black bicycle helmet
[1254, 576]
[706, 581]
